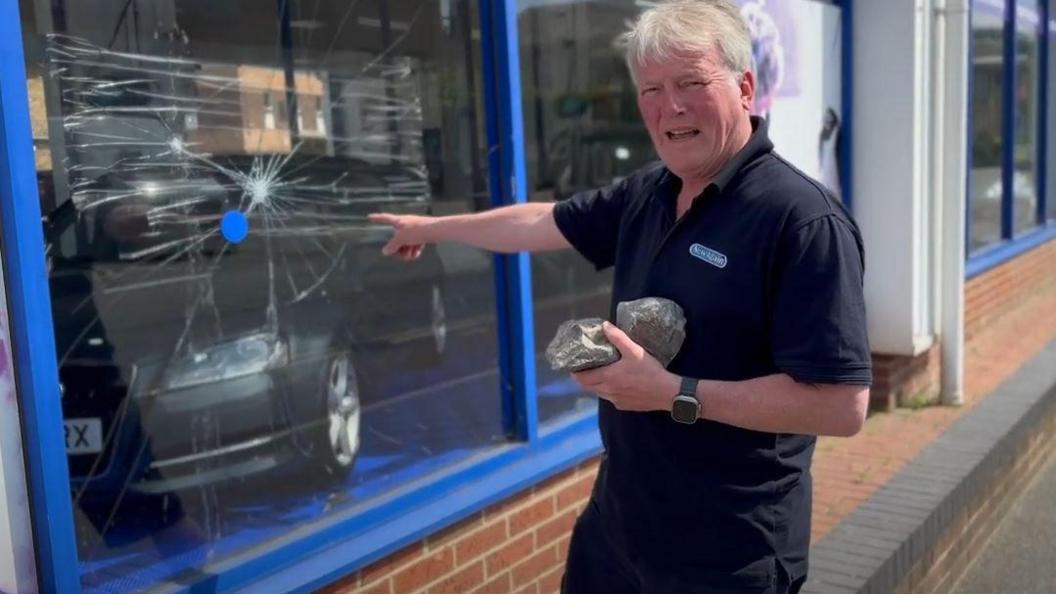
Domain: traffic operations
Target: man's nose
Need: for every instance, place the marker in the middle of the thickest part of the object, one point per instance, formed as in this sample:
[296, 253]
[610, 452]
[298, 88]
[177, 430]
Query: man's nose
[673, 103]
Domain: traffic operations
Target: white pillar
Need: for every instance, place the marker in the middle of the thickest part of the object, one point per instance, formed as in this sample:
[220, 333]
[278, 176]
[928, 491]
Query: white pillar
[894, 170]
[952, 104]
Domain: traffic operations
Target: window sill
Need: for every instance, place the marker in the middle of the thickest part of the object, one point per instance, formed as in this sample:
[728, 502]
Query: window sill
[993, 256]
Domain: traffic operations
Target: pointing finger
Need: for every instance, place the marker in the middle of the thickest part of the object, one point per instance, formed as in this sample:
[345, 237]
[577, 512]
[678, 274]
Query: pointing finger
[383, 218]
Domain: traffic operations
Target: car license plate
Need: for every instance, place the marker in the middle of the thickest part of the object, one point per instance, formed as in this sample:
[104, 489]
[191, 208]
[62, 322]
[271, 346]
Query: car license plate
[83, 436]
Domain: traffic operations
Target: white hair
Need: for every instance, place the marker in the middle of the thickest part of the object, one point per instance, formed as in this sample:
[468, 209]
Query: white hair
[689, 26]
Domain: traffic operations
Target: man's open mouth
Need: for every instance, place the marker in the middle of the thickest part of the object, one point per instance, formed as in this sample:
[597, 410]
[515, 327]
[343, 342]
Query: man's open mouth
[682, 134]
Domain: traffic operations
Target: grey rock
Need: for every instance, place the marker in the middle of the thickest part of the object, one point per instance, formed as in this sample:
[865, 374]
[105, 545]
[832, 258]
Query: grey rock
[658, 324]
[580, 345]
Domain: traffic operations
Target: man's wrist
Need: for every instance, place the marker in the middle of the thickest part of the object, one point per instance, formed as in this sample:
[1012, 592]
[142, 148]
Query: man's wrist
[699, 395]
[670, 383]
[685, 407]
[432, 229]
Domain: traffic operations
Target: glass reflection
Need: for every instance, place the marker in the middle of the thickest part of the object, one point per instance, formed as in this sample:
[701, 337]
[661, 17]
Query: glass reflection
[237, 358]
[985, 185]
[1025, 150]
[582, 131]
[1050, 202]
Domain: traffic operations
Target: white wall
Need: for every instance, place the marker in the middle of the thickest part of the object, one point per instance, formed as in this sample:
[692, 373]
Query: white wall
[893, 200]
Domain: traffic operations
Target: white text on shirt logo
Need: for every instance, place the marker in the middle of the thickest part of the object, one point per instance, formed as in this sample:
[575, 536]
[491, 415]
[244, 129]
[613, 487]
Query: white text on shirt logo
[709, 255]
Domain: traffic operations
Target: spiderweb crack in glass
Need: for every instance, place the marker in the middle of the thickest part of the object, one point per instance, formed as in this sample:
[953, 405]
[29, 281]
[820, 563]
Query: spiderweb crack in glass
[143, 134]
[248, 379]
[158, 151]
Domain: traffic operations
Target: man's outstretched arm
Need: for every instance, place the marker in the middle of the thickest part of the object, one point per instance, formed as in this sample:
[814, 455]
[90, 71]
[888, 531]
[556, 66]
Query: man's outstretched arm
[528, 227]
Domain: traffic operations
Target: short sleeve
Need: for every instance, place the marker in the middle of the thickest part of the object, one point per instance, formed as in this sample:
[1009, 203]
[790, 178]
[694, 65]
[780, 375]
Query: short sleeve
[590, 221]
[819, 325]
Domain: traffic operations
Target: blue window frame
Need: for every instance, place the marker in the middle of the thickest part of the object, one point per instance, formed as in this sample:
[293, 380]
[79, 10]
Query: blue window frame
[1021, 189]
[30, 314]
[325, 551]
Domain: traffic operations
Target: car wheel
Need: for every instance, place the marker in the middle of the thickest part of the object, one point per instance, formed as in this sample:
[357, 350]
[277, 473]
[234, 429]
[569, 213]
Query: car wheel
[439, 319]
[341, 428]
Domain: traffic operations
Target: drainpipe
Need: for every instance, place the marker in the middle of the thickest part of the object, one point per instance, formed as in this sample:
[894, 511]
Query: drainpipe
[952, 30]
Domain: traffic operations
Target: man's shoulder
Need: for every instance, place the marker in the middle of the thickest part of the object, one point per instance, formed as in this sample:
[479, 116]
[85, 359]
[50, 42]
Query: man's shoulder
[786, 192]
[647, 177]
[623, 190]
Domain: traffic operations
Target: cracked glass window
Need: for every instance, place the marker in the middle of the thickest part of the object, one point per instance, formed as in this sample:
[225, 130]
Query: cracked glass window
[237, 359]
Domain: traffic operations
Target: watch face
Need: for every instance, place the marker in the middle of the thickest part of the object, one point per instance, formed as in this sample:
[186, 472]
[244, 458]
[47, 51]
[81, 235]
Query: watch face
[685, 409]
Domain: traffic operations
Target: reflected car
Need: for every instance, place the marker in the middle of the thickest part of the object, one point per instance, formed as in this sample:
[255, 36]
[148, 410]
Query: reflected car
[189, 356]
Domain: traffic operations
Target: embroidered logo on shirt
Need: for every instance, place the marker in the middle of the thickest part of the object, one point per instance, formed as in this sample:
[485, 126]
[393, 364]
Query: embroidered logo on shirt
[709, 255]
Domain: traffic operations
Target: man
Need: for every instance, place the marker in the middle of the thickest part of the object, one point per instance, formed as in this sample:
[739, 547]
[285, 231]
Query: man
[705, 483]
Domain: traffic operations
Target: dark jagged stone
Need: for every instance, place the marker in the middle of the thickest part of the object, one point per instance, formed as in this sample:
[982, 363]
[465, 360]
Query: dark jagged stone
[658, 324]
[580, 345]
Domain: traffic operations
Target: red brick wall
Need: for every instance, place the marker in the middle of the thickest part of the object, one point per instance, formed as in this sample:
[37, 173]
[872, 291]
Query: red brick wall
[993, 294]
[905, 381]
[939, 571]
[988, 297]
[518, 546]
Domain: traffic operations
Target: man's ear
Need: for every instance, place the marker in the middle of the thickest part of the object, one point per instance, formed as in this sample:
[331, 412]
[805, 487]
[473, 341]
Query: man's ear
[747, 88]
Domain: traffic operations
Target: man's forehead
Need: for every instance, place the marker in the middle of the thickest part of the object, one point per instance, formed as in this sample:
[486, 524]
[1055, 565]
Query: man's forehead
[679, 61]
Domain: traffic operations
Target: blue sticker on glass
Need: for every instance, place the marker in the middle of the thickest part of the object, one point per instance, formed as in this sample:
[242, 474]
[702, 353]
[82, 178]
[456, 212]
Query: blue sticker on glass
[234, 226]
[709, 255]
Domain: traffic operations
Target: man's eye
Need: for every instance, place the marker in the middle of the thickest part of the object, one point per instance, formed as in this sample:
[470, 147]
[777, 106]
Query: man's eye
[648, 90]
[693, 83]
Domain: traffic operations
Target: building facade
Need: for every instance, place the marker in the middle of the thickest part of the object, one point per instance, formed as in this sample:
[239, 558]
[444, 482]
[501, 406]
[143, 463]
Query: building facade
[214, 381]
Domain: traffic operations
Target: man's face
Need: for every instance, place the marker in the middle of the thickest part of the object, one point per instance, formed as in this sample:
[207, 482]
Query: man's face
[692, 106]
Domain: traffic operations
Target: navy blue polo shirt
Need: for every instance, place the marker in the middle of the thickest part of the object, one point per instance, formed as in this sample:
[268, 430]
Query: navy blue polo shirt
[768, 267]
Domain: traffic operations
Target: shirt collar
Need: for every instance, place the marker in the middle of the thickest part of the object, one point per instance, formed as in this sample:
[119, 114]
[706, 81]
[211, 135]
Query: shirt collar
[758, 145]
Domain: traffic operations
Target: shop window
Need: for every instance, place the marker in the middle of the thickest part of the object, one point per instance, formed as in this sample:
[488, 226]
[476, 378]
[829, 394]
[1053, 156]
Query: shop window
[238, 361]
[1050, 202]
[582, 130]
[1006, 123]
[1027, 102]
[986, 188]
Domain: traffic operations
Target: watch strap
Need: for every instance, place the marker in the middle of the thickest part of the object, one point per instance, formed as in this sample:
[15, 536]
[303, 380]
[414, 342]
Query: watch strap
[688, 387]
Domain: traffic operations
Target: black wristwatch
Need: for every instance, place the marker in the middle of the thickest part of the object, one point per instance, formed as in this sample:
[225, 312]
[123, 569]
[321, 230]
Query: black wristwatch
[685, 408]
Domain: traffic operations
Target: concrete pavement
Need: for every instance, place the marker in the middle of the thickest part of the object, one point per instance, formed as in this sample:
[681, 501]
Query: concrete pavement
[1020, 557]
